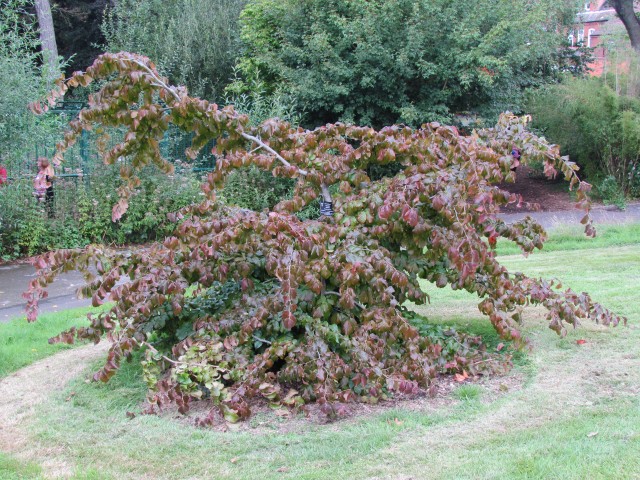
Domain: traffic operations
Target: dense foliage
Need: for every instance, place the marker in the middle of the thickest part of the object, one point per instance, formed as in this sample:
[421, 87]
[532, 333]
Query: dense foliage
[239, 304]
[82, 212]
[410, 61]
[23, 81]
[598, 127]
[193, 42]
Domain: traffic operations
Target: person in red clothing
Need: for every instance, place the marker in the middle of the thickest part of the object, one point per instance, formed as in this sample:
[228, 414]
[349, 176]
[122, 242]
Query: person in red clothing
[43, 184]
[3, 175]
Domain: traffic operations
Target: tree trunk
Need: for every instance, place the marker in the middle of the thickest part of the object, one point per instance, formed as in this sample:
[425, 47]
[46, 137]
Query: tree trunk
[624, 9]
[48, 37]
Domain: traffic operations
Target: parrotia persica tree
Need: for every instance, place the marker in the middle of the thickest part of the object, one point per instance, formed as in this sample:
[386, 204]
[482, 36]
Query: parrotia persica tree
[239, 304]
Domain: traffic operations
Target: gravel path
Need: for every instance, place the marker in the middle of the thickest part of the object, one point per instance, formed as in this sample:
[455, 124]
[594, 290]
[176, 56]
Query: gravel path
[568, 218]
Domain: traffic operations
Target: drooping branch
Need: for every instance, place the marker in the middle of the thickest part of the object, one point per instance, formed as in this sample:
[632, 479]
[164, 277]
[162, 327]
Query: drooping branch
[326, 194]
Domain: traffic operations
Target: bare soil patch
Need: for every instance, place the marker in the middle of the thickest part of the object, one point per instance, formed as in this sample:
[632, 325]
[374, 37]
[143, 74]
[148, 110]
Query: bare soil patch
[549, 195]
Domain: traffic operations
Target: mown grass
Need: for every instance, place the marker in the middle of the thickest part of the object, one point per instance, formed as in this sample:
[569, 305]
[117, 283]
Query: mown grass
[574, 239]
[23, 343]
[576, 417]
[12, 469]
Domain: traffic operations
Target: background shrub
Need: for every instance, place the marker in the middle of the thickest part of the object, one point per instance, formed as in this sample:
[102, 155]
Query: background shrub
[193, 42]
[597, 127]
[83, 212]
[388, 61]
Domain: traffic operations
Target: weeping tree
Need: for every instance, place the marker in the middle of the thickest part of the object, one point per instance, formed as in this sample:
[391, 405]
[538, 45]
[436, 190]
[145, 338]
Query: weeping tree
[239, 304]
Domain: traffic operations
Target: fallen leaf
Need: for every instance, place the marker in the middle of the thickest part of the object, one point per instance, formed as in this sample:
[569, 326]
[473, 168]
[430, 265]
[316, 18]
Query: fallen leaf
[234, 460]
[282, 469]
[592, 434]
[581, 342]
[499, 347]
[461, 378]
[398, 422]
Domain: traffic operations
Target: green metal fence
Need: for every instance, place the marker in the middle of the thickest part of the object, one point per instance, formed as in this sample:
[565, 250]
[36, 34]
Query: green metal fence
[83, 158]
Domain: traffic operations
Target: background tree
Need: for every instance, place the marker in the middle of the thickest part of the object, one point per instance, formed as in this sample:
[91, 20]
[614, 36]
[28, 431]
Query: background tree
[386, 61]
[23, 81]
[78, 32]
[47, 36]
[194, 42]
[626, 11]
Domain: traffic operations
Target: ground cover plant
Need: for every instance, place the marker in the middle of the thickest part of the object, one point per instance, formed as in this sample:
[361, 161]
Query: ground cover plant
[574, 414]
[240, 304]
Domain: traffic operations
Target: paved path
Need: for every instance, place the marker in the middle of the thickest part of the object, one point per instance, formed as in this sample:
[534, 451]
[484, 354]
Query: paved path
[14, 279]
[62, 293]
[568, 218]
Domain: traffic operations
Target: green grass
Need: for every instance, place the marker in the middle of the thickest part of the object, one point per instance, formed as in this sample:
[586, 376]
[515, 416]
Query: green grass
[12, 469]
[574, 239]
[468, 392]
[23, 343]
[575, 415]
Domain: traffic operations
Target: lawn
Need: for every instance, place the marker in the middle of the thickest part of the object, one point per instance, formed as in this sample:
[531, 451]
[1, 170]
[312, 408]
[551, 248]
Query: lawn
[23, 343]
[567, 410]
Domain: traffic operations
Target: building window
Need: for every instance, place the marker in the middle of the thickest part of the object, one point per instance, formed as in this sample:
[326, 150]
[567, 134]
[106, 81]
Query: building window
[591, 33]
[580, 36]
[572, 40]
[587, 6]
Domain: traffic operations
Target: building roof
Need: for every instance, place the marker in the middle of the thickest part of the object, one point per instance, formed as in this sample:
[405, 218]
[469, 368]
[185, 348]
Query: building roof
[596, 16]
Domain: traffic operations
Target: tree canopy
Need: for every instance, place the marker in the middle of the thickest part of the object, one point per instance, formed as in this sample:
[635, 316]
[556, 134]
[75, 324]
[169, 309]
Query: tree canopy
[194, 42]
[387, 61]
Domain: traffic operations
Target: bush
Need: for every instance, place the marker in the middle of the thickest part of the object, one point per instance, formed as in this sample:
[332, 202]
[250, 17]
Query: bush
[610, 192]
[82, 212]
[146, 219]
[381, 62]
[238, 304]
[23, 81]
[598, 128]
[193, 42]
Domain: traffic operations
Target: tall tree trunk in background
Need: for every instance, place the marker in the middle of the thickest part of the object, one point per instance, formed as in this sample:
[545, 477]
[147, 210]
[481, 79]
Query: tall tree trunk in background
[48, 36]
[624, 9]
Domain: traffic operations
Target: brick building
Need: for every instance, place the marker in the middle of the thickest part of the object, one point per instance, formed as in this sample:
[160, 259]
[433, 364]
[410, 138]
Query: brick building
[598, 27]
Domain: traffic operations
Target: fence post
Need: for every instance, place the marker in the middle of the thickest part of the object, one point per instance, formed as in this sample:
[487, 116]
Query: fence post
[83, 150]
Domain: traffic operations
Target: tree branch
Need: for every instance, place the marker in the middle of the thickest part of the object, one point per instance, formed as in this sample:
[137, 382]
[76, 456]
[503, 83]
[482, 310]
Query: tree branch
[324, 189]
[626, 13]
